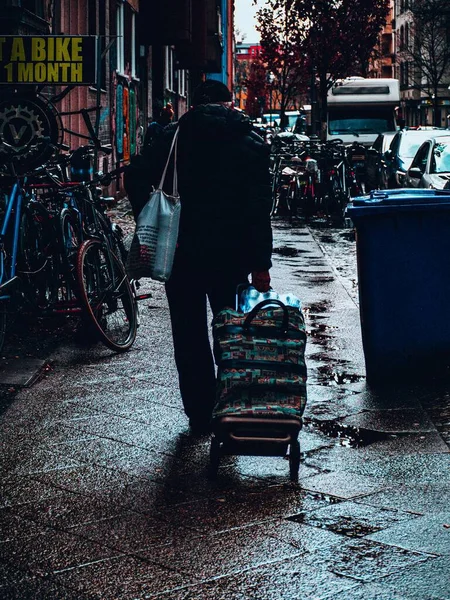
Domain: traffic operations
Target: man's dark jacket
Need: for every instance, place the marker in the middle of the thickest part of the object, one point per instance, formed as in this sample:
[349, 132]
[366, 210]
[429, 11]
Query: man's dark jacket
[224, 184]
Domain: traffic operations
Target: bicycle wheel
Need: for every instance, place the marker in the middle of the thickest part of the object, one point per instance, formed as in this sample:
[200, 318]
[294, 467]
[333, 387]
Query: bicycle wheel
[307, 200]
[293, 199]
[70, 240]
[34, 261]
[275, 194]
[106, 295]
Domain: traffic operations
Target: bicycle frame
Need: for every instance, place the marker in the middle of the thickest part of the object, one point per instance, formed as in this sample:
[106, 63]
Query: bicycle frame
[9, 279]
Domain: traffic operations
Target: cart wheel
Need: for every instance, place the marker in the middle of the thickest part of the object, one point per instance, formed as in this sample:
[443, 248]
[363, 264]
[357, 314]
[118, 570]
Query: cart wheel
[214, 456]
[294, 460]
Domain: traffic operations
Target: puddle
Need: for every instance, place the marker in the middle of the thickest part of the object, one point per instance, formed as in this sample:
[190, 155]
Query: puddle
[331, 376]
[287, 251]
[348, 235]
[322, 280]
[323, 356]
[318, 307]
[327, 239]
[320, 328]
[348, 436]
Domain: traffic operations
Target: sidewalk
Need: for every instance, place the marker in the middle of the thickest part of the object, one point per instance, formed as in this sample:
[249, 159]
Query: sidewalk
[105, 495]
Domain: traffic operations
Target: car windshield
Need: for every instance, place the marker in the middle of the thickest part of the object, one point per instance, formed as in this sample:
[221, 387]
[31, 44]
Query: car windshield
[410, 143]
[441, 158]
[292, 119]
[360, 120]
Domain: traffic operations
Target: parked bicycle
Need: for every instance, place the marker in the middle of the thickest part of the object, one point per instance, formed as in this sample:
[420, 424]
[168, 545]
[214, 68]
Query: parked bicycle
[60, 253]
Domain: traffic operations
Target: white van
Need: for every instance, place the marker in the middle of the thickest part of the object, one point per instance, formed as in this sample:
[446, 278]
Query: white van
[360, 109]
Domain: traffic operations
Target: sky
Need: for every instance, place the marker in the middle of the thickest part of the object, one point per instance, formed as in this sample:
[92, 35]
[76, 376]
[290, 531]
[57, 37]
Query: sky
[245, 19]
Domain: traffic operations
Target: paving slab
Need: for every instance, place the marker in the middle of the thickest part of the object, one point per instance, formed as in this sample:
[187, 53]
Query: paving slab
[16, 491]
[239, 549]
[386, 463]
[429, 580]
[424, 468]
[419, 499]
[236, 509]
[392, 421]
[342, 484]
[428, 533]
[17, 585]
[371, 591]
[365, 560]
[356, 520]
[121, 578]
[52, 551]
[292, 579]
[130, 532]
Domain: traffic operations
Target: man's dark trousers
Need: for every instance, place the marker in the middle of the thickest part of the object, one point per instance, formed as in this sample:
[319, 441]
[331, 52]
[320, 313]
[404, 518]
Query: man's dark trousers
[189, 287]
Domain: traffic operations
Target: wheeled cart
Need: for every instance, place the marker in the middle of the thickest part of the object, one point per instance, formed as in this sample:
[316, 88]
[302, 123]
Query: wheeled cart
[261, 383]
[256, 437]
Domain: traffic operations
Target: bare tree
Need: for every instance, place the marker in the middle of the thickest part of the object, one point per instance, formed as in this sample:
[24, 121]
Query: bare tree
[424, 43]
[283, 34]
[342, 35]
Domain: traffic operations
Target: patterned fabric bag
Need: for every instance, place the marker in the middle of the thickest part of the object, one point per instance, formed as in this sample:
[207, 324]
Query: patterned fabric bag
[260, 356]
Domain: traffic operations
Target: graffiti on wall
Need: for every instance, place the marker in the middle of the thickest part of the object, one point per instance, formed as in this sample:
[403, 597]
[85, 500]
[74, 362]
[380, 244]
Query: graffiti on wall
[125, 119]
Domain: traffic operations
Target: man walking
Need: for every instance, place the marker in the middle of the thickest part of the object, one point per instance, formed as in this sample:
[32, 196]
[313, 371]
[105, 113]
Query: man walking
[225, 231]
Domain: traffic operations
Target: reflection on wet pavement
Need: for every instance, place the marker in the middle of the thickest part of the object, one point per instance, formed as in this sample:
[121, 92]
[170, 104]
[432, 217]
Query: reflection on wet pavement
[106, 495]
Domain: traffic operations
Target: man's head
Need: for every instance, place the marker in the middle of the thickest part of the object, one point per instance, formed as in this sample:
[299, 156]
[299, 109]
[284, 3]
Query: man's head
[211, 92]
[166, 114]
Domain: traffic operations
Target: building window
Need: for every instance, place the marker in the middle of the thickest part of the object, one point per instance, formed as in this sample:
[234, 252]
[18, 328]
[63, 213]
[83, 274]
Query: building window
[126, 40]
[130, 40]
[169, 68]
[182, 87]
[120, 32]
[97, 26]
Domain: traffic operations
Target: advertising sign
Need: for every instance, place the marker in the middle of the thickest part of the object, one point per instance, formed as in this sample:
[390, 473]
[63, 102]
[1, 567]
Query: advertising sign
[62, 60]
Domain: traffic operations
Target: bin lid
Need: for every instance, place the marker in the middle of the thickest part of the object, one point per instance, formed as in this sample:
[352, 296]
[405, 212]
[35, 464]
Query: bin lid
[399, 200]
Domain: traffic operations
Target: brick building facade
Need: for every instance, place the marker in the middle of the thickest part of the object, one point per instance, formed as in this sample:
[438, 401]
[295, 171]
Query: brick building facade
[152, 52]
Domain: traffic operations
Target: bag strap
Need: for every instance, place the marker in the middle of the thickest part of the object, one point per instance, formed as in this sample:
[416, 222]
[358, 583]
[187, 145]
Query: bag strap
[175, 175]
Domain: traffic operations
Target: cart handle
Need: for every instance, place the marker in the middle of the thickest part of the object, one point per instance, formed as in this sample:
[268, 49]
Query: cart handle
[252, 314]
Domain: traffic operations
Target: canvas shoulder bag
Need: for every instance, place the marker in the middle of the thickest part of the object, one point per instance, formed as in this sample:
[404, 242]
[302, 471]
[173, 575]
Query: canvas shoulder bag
[154, 242]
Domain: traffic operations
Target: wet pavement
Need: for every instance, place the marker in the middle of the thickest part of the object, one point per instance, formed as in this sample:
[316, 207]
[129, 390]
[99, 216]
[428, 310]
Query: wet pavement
[105, 494]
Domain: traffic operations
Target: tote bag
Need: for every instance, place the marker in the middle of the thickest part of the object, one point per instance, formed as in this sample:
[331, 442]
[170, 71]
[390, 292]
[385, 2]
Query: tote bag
[154, 242]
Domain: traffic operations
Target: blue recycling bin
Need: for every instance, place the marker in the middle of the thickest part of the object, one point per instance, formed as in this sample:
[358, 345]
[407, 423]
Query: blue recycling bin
[403, 259]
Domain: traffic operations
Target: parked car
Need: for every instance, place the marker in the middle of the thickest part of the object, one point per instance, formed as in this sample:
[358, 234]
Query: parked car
[294, 119]
[374, 158]
[430, 167]
[399, 156]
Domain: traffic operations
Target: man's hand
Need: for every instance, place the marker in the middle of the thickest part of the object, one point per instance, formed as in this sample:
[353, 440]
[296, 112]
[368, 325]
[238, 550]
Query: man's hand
[261, 280]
